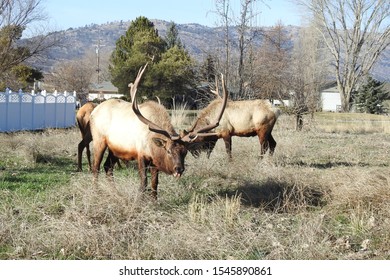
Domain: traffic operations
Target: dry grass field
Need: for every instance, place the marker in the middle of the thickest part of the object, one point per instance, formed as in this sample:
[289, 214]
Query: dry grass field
[325, 194]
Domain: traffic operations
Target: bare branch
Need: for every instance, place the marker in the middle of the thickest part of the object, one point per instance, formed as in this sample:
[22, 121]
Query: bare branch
[356, 33]
[15, 17]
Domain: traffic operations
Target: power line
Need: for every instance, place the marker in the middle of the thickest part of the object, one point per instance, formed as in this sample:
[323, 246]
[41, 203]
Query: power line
[97, 49]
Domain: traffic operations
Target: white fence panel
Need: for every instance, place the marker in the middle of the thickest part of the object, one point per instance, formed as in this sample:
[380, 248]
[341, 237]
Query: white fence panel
[70, 106]
[23, 111]
[14, 112]
[27, 116]
[39, 106]
[3, 110]
[50, 111]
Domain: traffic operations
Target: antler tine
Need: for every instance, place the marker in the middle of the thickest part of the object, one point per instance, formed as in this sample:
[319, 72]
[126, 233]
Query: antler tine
[134, 86]
[216, 91]
[152, 126]
[217, 87]
[202, 131]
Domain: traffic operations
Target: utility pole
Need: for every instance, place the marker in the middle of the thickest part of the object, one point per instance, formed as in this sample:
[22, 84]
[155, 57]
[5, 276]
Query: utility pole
[97, 48]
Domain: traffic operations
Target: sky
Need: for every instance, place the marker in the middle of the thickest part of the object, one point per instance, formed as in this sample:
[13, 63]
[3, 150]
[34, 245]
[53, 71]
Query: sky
[64, 14]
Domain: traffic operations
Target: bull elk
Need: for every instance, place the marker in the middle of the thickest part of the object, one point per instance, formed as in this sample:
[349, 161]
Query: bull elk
[144, 133]
[243, 118]
[83, 117]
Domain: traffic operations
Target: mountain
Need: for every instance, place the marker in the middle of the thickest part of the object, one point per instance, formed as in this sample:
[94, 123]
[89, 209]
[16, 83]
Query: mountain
[198, 40]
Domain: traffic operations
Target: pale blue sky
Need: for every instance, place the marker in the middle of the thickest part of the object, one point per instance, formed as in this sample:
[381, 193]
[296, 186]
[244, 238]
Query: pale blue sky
[78, 13]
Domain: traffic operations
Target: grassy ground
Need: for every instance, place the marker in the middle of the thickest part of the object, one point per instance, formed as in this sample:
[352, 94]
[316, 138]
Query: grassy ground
[325, 194]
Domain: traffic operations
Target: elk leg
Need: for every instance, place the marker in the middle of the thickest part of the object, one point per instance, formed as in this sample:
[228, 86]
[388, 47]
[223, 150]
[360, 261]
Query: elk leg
[154, 172]
[211, 145]
[263, 142]
[109, 163]
[271, 144]
[228, 146]
[99, 147]
[80, 155]
[88, 139]
[142, 173]
[89, 157]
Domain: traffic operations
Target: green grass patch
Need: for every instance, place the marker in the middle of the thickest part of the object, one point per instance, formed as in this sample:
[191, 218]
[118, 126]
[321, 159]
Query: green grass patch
[37, 178]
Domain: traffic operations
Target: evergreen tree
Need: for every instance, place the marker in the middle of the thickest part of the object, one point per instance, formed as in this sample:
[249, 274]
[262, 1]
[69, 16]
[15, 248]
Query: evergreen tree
[172, 38]
[207, 70]
[139, 45]
[170, 74]
[20, 77]
[175, 74]
[370, 97]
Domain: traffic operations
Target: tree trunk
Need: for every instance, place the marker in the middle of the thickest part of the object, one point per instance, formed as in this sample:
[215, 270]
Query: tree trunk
[299, 121]
[345, 97]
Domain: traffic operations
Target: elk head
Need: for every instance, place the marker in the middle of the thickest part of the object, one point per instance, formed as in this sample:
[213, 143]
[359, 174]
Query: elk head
[170, 148]
[207, 141]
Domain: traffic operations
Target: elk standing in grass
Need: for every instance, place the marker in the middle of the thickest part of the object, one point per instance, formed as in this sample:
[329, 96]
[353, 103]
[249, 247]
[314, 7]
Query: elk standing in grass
[143, 133]
[83, 117]
[241, 118]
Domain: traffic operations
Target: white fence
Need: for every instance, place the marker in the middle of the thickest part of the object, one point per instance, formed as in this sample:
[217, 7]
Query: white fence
[24, 111]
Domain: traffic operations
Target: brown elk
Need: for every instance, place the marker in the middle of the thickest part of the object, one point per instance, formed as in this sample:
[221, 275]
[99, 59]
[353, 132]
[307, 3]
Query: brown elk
[83, 116]
[243, 118]
[143, 133]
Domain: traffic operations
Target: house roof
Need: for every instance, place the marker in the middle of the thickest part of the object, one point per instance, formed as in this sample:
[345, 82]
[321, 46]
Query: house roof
[332, 87]
[331, 90]
[103, 87]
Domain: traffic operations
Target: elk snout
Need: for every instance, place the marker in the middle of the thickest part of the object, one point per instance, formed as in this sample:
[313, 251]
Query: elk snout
[178, 170]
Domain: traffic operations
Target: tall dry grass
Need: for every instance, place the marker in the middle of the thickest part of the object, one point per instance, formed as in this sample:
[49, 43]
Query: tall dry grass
[323, 195]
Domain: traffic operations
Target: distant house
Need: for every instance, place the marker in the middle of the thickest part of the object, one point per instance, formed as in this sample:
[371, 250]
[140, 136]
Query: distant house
[330, 99]
[278, 103]
[102, 91]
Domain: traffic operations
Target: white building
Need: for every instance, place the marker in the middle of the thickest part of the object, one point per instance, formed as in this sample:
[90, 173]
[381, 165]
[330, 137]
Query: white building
[104, 90]
[330, 99]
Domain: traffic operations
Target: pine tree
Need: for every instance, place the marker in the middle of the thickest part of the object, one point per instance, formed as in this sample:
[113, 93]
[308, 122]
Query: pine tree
[139, 45]
[175, 74]
[370, 97]
[172, 38]
[170, 74]
[208, 69]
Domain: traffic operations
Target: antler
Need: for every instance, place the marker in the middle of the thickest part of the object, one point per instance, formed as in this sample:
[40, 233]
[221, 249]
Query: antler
[216, 89]
[133, 86]
[203, 131]
[152, 126]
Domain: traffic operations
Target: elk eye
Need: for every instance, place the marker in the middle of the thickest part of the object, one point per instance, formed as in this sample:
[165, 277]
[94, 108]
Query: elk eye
[169, 152]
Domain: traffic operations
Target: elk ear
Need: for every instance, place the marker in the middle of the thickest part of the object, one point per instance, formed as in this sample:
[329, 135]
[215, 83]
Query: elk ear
[159, 142]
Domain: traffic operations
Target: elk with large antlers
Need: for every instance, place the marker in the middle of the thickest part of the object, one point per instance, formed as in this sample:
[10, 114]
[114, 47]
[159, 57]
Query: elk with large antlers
[143, 133]
[243, 118]
[83, 116]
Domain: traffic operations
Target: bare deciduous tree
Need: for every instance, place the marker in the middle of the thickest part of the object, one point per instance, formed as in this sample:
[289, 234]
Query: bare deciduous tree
[72, 75]
[236, 63]
[244, 39]
[15, 17]
[295, 74]
[272, 64]
[356, 32]
[308, 73]
[223, 11]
